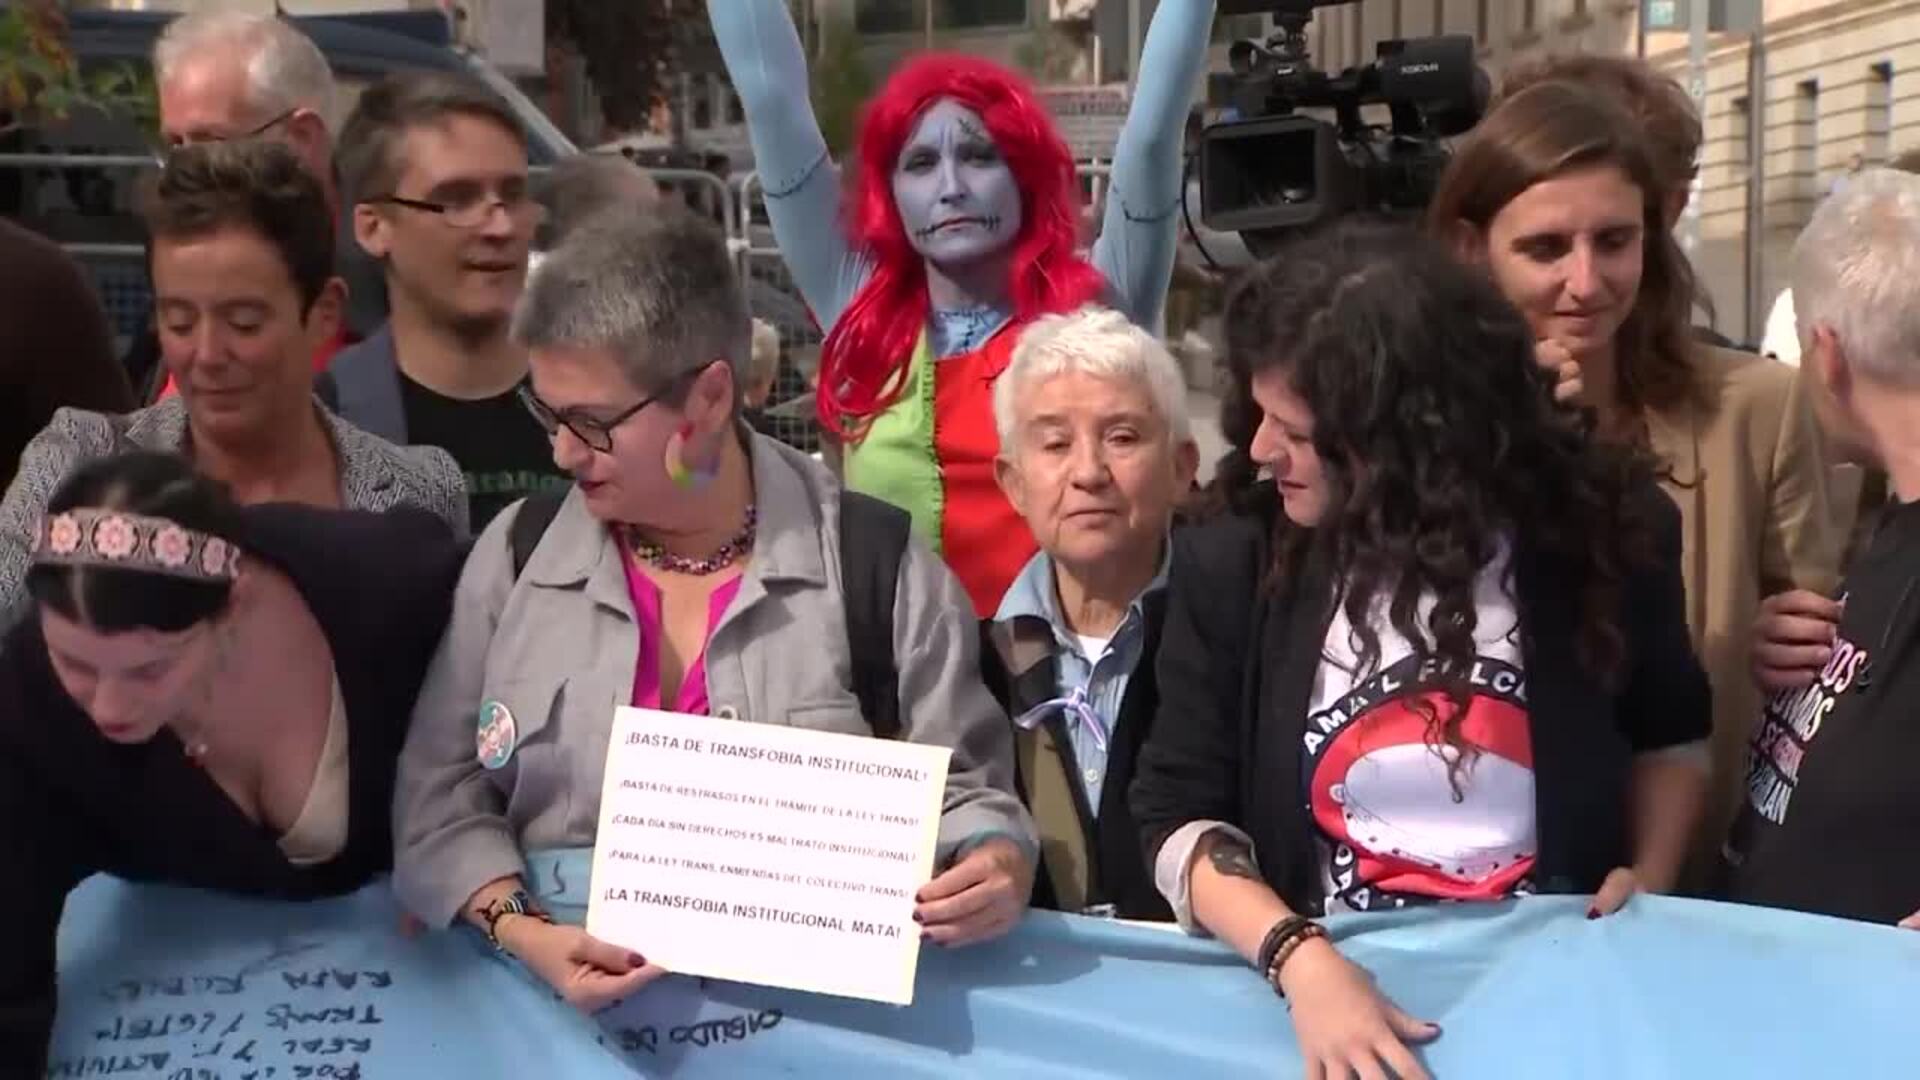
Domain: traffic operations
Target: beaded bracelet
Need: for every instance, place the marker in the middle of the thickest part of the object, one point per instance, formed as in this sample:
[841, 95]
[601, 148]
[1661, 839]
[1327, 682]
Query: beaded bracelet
[1276, 937]
[1287, 948]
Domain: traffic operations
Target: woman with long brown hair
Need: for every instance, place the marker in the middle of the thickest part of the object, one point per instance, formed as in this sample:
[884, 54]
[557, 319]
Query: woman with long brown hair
[1556, 197]
[1450, 667]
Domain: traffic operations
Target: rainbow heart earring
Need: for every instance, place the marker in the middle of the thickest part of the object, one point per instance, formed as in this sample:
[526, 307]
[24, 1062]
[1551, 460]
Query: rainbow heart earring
[682, 474]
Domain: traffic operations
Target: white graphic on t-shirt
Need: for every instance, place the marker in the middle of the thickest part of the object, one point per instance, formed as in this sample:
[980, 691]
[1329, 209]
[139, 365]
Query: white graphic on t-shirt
[1396, 824]
[1389, 794]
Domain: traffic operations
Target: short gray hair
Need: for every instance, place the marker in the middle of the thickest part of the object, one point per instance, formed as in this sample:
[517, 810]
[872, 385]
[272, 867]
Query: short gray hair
[1099, 342]
[285, 69]
[1856, 270]
[658, 290]
[582, 186]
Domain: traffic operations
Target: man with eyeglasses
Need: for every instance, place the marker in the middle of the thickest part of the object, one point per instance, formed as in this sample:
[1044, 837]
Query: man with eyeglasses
[435, 167]
[223, 76]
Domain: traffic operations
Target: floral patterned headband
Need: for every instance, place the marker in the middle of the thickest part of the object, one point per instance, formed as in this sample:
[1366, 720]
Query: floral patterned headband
[88, 536]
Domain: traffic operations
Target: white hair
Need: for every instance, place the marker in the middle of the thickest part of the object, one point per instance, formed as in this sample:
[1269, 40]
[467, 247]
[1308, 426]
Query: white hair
[764, 356]
[1096, 341]
[1856, 270]
[285, 69]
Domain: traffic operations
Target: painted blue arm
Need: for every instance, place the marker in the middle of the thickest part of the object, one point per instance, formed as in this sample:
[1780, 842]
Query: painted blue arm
[769, 71]
[1140, 230]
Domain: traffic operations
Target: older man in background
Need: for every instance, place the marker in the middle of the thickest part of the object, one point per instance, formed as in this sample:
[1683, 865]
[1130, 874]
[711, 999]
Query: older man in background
[225, 75]
[1096, 454]
[1832, 800]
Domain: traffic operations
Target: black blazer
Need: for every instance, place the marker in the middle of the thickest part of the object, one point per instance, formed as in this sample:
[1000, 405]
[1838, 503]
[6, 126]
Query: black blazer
[73, 804]
[1237, 662]
[1118, 875]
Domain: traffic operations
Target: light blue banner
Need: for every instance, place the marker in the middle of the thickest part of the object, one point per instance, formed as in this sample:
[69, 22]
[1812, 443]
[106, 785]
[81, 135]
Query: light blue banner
[185, 986]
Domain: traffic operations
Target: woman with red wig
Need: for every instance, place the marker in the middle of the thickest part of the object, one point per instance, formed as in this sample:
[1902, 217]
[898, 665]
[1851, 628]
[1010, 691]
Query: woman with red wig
[956, 229]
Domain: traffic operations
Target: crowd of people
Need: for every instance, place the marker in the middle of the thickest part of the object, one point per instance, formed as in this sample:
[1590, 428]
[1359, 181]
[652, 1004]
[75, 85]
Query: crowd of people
[1512, 581]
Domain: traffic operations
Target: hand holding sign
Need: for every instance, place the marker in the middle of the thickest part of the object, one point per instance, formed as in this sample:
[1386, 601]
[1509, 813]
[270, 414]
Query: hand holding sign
[978, 898]
[587, 973]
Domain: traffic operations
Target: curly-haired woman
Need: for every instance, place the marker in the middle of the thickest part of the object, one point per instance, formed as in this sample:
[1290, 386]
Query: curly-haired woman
[1456, 667]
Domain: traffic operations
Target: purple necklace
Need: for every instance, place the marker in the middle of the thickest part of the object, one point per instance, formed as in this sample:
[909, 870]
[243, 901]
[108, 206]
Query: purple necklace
[660, 558]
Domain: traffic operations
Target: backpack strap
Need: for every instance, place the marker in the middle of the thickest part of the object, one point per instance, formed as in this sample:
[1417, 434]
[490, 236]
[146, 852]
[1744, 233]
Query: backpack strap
[873, 541]
[530, 523]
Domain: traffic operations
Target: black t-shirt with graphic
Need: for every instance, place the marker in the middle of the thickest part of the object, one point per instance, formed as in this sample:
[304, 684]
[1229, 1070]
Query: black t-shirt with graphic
[1833, 780]
[499, 447]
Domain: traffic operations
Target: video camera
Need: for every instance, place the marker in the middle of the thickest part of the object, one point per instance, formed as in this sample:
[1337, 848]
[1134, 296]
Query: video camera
[1271, 170]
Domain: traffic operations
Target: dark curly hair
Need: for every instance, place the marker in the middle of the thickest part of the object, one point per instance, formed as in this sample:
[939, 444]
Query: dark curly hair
[1440, 443]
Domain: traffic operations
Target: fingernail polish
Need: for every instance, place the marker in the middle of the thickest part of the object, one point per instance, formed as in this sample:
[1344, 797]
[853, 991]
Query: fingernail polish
[636, 959]
[1593, 913]
[917, 918]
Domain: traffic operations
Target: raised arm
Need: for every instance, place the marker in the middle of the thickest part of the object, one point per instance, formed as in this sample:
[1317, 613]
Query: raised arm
[1140, 230]
[769, 71]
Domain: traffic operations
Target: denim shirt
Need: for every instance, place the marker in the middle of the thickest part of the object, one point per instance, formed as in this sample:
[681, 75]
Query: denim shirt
[1104, 677]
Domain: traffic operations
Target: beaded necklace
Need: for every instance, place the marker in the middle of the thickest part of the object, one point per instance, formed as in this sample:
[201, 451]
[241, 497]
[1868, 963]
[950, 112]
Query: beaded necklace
[653, 554]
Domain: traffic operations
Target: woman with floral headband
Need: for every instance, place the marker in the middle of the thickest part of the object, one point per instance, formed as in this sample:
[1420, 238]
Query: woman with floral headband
[958, 228]
[204, 695]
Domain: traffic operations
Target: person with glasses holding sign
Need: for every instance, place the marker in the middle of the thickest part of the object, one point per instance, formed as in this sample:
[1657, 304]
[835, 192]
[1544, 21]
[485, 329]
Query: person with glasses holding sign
[694, 567]
[436, 169]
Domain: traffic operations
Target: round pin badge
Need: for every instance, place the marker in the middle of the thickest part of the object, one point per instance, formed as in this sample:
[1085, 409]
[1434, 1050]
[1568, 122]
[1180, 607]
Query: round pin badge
[495, 736]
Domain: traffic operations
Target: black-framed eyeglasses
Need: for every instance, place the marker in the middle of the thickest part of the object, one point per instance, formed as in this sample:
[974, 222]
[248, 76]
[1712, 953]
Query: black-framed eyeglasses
[160, 152]
[468, 212]
[596, 433]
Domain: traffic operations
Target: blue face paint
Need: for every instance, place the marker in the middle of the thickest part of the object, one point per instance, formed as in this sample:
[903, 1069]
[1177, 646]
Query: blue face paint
[957, 196]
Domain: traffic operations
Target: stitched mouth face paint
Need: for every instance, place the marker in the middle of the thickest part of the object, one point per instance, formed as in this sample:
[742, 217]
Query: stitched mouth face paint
[957, 196]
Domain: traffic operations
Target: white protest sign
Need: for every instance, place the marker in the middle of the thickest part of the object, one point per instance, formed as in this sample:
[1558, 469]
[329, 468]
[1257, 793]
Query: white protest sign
[766, 854]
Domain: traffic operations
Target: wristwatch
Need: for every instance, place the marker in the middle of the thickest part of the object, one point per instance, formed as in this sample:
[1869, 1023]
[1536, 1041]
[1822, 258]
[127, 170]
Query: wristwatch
[516, 902]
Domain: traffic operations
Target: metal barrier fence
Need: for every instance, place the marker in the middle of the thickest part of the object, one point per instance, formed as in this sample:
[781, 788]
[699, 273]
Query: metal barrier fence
[119, 271]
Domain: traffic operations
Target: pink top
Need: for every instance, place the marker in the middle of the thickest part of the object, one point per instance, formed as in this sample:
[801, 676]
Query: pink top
[646, 669]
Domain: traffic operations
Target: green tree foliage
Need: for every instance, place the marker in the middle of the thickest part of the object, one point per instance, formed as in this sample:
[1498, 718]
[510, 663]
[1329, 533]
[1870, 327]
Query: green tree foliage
[41, 81]
[629, 47]
[842, 83]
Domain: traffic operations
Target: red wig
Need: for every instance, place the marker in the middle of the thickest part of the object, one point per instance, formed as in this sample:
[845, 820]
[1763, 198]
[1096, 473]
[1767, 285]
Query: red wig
[863, 363]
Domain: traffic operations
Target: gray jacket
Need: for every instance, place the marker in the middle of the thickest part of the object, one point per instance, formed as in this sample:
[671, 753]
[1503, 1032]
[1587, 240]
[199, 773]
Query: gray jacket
[374, 474]
[558, 648]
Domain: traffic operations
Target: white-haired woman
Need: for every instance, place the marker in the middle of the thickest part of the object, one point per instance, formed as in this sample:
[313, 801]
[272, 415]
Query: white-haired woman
[1096, 454]
[694, 567]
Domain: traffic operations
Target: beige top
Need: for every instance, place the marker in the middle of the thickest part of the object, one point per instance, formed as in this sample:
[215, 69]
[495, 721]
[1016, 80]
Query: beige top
[320, 832]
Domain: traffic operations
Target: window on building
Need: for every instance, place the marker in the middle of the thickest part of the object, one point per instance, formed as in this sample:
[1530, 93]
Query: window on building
[1481, 22]
[1740, 141]
[887, 16]
[736, 114]
[702, 113]
[1805, 157]
[1439, 16]
[1579, 7]
[1879, 112]
[976, 14]
[1529, 14]
[1398, 16]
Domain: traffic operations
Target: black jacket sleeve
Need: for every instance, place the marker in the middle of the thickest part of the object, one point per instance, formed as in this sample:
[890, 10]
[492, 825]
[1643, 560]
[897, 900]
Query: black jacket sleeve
[1189, 769]
[1666, 700]
[43, 859]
